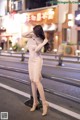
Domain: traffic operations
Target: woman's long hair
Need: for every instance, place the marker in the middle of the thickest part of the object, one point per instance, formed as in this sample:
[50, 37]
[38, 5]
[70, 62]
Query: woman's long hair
[38, 31]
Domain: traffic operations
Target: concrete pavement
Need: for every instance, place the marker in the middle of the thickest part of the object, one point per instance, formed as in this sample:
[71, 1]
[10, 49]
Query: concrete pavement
[14, 104]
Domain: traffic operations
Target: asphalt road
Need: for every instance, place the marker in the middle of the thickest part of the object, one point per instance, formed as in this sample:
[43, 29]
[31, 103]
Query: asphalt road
[13, 103]
[72, 70]
[55, 86]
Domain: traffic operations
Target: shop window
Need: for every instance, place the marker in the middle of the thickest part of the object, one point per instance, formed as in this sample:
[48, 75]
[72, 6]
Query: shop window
[50, 37]
[18, 5]
[32, 4]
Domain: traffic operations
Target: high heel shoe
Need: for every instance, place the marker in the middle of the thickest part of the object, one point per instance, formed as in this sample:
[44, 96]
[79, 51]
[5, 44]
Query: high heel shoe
[34, 107]
[45, 109]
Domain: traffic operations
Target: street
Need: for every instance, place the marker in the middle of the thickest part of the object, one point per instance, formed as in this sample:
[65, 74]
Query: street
[29, 31]
[58, 93]
[14, 104]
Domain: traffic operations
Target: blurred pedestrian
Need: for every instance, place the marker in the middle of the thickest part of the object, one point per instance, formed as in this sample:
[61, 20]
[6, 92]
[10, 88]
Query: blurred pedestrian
[35, 43]
[61, 51]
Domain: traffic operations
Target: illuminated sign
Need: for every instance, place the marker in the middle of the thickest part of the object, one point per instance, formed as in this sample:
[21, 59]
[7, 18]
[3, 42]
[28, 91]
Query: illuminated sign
[42, 16]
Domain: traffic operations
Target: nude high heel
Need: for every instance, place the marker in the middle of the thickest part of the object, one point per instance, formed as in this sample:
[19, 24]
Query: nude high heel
[45, 109]
[34, 107]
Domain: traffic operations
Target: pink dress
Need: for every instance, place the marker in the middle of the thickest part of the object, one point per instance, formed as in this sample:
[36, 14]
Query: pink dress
[35, 60]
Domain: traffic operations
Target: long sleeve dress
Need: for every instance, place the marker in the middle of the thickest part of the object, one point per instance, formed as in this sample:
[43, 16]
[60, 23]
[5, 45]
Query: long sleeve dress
[35, 62]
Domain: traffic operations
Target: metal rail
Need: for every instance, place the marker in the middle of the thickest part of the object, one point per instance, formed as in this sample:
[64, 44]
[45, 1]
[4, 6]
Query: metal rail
[23, 56]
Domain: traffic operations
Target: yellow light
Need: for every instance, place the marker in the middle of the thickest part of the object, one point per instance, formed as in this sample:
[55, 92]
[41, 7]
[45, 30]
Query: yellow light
[51, 12]
[56, 37]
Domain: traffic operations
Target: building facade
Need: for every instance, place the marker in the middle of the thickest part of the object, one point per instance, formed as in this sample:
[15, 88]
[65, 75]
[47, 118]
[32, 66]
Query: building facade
[63, 29]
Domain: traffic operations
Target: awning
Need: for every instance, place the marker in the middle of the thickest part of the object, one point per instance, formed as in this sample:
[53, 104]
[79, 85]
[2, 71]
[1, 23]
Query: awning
[50, 27]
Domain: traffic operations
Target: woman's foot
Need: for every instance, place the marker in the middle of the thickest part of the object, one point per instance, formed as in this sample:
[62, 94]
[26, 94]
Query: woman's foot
[34, 107]
[45, 109]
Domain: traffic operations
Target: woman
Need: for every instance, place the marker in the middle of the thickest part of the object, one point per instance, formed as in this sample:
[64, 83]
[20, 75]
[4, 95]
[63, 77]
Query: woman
[35, 43]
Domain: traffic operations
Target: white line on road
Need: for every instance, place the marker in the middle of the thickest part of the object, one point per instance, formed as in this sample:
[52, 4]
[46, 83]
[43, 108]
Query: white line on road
[54, 106]
[14, 90]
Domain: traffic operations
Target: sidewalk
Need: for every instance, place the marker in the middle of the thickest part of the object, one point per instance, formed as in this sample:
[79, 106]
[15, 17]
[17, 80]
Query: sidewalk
[14, 104]
[17, 110]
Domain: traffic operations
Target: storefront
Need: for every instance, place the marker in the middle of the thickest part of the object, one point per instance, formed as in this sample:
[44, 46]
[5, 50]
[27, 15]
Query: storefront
[13, 29]
[67, 31]
[2, 41]
[77, 22]
[18, 23]
[48, 18]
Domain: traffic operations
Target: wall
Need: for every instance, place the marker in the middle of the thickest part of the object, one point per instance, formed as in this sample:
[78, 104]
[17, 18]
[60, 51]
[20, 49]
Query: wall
[73, 30]
[3, 4]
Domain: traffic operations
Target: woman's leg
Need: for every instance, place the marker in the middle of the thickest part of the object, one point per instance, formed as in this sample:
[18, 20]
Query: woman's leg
[34, 93]
[41, 91]
[33, 86]
[42, 95]
[37, 79]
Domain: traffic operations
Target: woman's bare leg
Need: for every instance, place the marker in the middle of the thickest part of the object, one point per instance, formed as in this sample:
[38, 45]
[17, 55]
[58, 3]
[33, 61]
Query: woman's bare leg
[34, 94]
[42, 95]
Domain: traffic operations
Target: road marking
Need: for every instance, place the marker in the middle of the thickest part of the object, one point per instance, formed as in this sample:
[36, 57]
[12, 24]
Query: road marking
[14, 90]
[52, 105]
[64, 110]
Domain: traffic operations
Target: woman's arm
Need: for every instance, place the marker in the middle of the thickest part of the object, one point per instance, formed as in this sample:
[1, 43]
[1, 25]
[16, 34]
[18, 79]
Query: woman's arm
[27, 35]
[41, 45]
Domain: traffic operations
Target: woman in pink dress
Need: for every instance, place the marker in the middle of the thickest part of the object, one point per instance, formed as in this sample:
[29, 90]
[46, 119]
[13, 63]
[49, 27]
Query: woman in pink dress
[36, 40]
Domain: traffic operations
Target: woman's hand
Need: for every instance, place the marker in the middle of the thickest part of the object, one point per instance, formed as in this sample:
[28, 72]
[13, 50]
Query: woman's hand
[41, 45]
[45, 41]
[27, 35]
